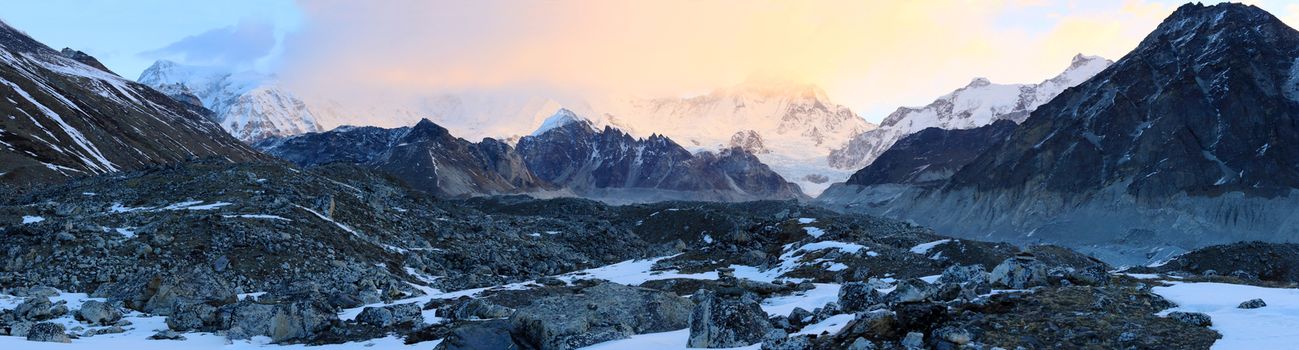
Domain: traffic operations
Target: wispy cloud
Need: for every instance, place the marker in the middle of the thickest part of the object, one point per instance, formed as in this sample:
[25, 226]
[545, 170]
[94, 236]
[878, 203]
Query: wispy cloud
[237, 46]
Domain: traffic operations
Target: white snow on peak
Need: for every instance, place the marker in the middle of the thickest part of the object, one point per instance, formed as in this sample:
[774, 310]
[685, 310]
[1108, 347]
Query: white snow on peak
[979, 103]
[561, 118]
[250, 105]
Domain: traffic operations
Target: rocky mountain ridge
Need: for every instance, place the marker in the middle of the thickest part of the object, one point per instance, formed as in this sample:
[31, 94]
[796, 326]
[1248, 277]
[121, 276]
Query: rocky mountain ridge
[66, 116]
[1184, 142]
[979, 103]
[251, 106]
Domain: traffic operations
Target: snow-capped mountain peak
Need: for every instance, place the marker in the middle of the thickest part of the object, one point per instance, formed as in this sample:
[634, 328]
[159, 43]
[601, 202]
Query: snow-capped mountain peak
[979, 103]
[562, 117]
[250, 105]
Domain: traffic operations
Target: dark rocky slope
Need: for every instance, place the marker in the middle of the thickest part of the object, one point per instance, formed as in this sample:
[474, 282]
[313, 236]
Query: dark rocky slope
[1187, 141]
[931, 156]
[68, 116]
[614, 166]
[426, 157]
[187, 241]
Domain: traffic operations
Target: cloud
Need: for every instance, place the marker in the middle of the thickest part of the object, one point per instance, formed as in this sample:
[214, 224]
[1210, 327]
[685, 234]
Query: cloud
[870, 55]
[240, 45]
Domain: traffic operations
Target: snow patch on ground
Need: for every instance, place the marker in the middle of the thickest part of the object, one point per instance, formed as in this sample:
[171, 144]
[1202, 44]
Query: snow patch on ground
[32, 219]
[924, 248]
[1275, 326]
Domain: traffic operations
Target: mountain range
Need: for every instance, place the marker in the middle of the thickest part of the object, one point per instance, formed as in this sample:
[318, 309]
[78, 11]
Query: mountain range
[65, 115]
[251, 106]
[567, 155]
[1186, 141]
[979, 103]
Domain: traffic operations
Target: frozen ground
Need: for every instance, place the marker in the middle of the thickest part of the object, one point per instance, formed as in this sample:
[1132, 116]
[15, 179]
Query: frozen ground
[1275, 326]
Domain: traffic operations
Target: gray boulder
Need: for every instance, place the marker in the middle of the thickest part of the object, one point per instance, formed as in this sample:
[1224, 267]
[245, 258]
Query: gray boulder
[857, 296]
[48, 332]
[914, 340]
[1020, 272]
[192, 317]
[477, 335]
[726, 323]
[600, 313]
[861, 344]
[1191, 318]
[34, 309]
[281, 322]
[791, 343]
[158, 293]
[391, 315]
[477, 309]
[98, 312]
[1252, 304]
[967, 274]
[910, 291]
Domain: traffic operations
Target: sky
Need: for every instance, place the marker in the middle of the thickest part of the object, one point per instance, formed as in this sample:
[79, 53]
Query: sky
[872, 56]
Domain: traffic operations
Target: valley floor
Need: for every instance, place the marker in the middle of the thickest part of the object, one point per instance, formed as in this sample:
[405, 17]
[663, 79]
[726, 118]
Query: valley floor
[1272, 327]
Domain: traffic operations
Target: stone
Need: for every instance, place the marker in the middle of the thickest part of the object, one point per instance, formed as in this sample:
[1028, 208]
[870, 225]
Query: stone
[33, 309]
[910, 291]
[861, 344]
[477, 309]
[602, 312]
[1252, 304]
[192, 317]
[1191, 318]
[962, 274]
[1020, 272]
[281, 322]
[48, 332]
[858, 296]
[167, 335]
[800, 317]
[98, 312]
[391, 315]
[914, 340]
[958, 336]
[726, 322]
[791, 343]
[475, 335]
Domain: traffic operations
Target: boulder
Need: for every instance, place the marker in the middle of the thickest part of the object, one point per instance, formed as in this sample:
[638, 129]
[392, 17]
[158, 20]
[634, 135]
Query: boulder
[98, 312]
[48, 332]
[910, 291]
[963, 274]
[861, 344]
[857, 296]
[1191, 318]
[599, 313]
[791, 343]
[192, 317]
[727, 322]
[391, 315]
[281, 322]
[167, 334]
[914, 340]
[1252, 304]
[34, 309]
[157, 293]
[477, 309]
[475, 335]
[1020, 272]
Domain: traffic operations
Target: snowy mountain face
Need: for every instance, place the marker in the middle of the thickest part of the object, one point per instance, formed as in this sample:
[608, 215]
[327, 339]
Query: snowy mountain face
[796, 124]
[1187, 141]
[977, 104]
[64, 115]
[249, 105]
